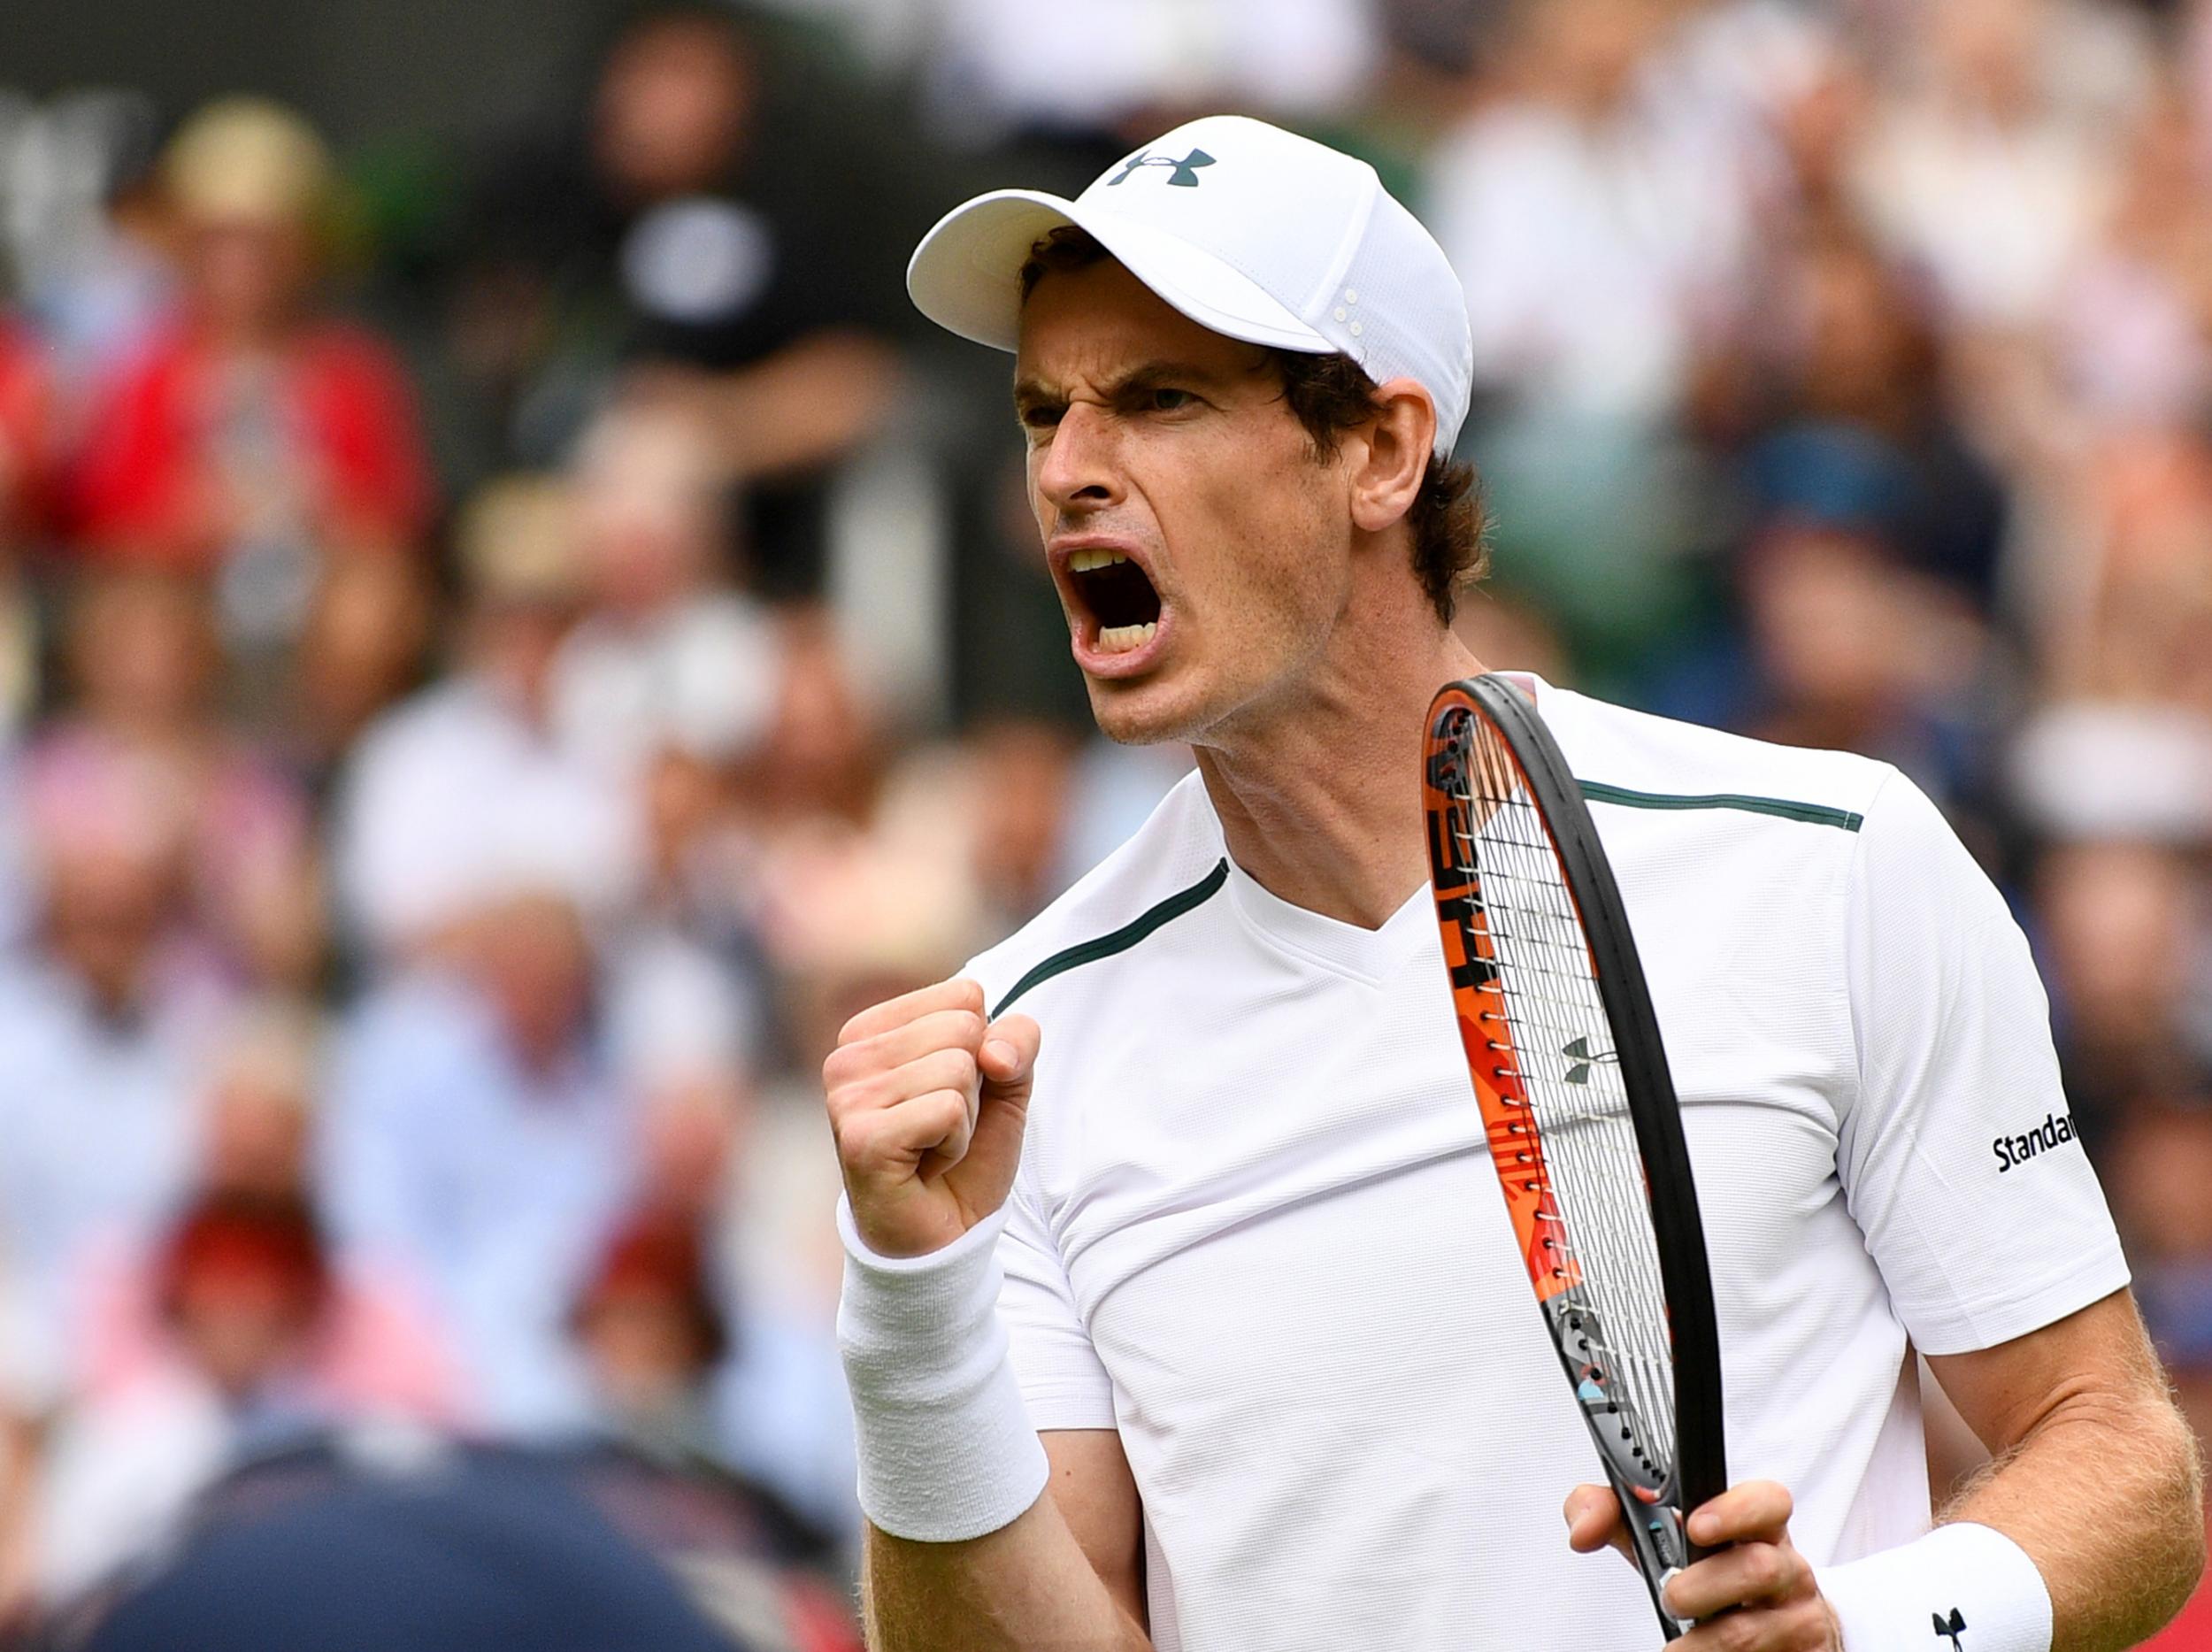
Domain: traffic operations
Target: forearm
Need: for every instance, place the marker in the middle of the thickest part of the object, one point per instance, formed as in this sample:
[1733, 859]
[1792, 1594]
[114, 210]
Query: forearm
[2105, 1494]
[1024, 1587]
[804, 405]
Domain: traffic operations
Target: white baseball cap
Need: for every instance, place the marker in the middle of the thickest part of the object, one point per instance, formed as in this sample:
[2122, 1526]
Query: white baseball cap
[1248, 230]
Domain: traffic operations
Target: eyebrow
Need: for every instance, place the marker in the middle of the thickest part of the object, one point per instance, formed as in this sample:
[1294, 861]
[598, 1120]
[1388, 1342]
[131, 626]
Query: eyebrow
[1031, 391]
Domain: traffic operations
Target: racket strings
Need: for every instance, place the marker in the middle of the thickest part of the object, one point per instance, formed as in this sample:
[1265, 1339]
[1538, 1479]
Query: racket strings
[1565, 1066]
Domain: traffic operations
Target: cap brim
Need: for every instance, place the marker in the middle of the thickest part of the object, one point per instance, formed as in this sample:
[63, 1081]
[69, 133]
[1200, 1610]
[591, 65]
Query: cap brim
[966, 275]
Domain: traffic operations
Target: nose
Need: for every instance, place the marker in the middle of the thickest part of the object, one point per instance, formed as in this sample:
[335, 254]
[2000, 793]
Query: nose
[1079, 471]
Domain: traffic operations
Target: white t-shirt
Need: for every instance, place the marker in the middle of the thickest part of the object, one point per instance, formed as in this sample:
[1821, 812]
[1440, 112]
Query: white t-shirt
[1256, 1231]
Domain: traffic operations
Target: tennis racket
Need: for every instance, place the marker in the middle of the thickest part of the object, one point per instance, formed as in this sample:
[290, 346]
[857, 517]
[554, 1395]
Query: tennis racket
[1578, 1108]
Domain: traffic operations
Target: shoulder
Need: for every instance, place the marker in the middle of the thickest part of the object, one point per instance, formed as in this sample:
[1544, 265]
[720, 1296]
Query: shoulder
[1634, 760]
[407, 1033]
[1174, 862]
[435, 720]
[39, 1013]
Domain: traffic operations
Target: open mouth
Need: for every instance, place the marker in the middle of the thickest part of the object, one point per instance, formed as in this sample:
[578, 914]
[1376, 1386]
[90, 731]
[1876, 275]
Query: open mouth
[1119, 597]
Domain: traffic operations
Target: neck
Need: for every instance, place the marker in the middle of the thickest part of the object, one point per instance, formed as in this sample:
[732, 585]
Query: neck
[1320, 800]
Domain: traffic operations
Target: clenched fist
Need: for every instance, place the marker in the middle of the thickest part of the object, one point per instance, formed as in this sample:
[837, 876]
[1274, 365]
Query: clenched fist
[926, 1100]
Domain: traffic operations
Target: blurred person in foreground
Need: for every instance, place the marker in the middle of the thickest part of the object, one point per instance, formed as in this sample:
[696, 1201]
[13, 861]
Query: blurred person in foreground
[362, 1540]
[1163, 1308]
[252, 439]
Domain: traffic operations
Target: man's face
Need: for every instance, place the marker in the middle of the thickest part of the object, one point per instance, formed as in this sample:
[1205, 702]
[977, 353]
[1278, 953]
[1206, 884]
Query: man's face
[1154, 440]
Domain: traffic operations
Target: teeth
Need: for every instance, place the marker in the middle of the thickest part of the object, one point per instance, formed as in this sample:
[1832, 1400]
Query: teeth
[1084, 561]
[1121, 639]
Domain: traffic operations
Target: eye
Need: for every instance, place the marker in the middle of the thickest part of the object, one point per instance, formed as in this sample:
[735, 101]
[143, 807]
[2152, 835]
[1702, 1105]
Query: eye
[1166, 398]
[1040, 415]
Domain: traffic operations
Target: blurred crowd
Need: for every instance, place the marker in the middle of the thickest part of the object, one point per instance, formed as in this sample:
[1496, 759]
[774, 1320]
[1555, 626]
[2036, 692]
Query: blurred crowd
[506, 641]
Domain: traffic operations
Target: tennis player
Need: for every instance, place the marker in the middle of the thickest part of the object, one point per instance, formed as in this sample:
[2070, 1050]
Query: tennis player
[1182, 1309]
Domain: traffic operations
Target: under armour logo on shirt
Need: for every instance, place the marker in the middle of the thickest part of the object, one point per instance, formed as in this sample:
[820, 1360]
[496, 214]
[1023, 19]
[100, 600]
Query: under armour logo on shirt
[1952, 1630]
[1182, 173]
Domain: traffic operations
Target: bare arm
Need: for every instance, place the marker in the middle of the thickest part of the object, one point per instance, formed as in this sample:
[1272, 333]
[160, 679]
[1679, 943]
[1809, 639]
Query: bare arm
[1068, 1574]
[927, 1103]
[2095, 1477]
[2095, 1474]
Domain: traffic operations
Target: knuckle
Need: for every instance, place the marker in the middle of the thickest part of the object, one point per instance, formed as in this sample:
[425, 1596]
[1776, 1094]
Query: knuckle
[1739, 1632]
[853, 1137]
[841, 1064]
[945, 1111]
[1764, 1570]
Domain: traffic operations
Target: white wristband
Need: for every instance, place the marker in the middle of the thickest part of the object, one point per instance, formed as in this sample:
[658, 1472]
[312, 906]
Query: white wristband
[1962, 1588]
[947, 1451]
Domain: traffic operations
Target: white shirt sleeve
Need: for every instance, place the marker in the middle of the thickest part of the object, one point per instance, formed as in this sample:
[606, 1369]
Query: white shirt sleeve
[1957, 1155]
[1059, 1372]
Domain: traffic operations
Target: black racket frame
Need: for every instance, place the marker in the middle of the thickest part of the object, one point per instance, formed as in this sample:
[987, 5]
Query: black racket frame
[1700, 1449]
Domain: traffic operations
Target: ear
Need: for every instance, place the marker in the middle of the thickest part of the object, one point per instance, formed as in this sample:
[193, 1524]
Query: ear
[1387, 478]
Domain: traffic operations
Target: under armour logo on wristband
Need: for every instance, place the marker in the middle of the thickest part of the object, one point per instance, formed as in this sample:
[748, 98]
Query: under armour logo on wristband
[1183, 173]
[1952, 1630]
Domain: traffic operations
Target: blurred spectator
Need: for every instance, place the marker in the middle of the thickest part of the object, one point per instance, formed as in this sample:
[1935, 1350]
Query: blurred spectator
[1599, 219]
[105, 1021]
[243, 1291]
[2128, 937]
[252, 438]
[489, 1122]
[28, 441]
[650, 1331]
[28, 435]
[1849, 358]
[142, 730]
[668, 656]
[822, 757]
[1853, 641]
[1003, 67]
[362, 648]
[686, 232]
[86, 226]
[377, 1348]
[1990, 159]
[1599, 205]
[450, 791]
[477, 1142]
[2131, 317]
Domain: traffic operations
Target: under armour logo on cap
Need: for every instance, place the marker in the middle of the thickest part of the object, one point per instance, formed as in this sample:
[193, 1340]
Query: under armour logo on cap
[1952, 1630]
[1183, 175]
[1293, 246]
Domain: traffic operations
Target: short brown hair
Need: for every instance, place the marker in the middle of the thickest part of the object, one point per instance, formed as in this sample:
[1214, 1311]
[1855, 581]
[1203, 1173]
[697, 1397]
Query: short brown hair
[1331, 395]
